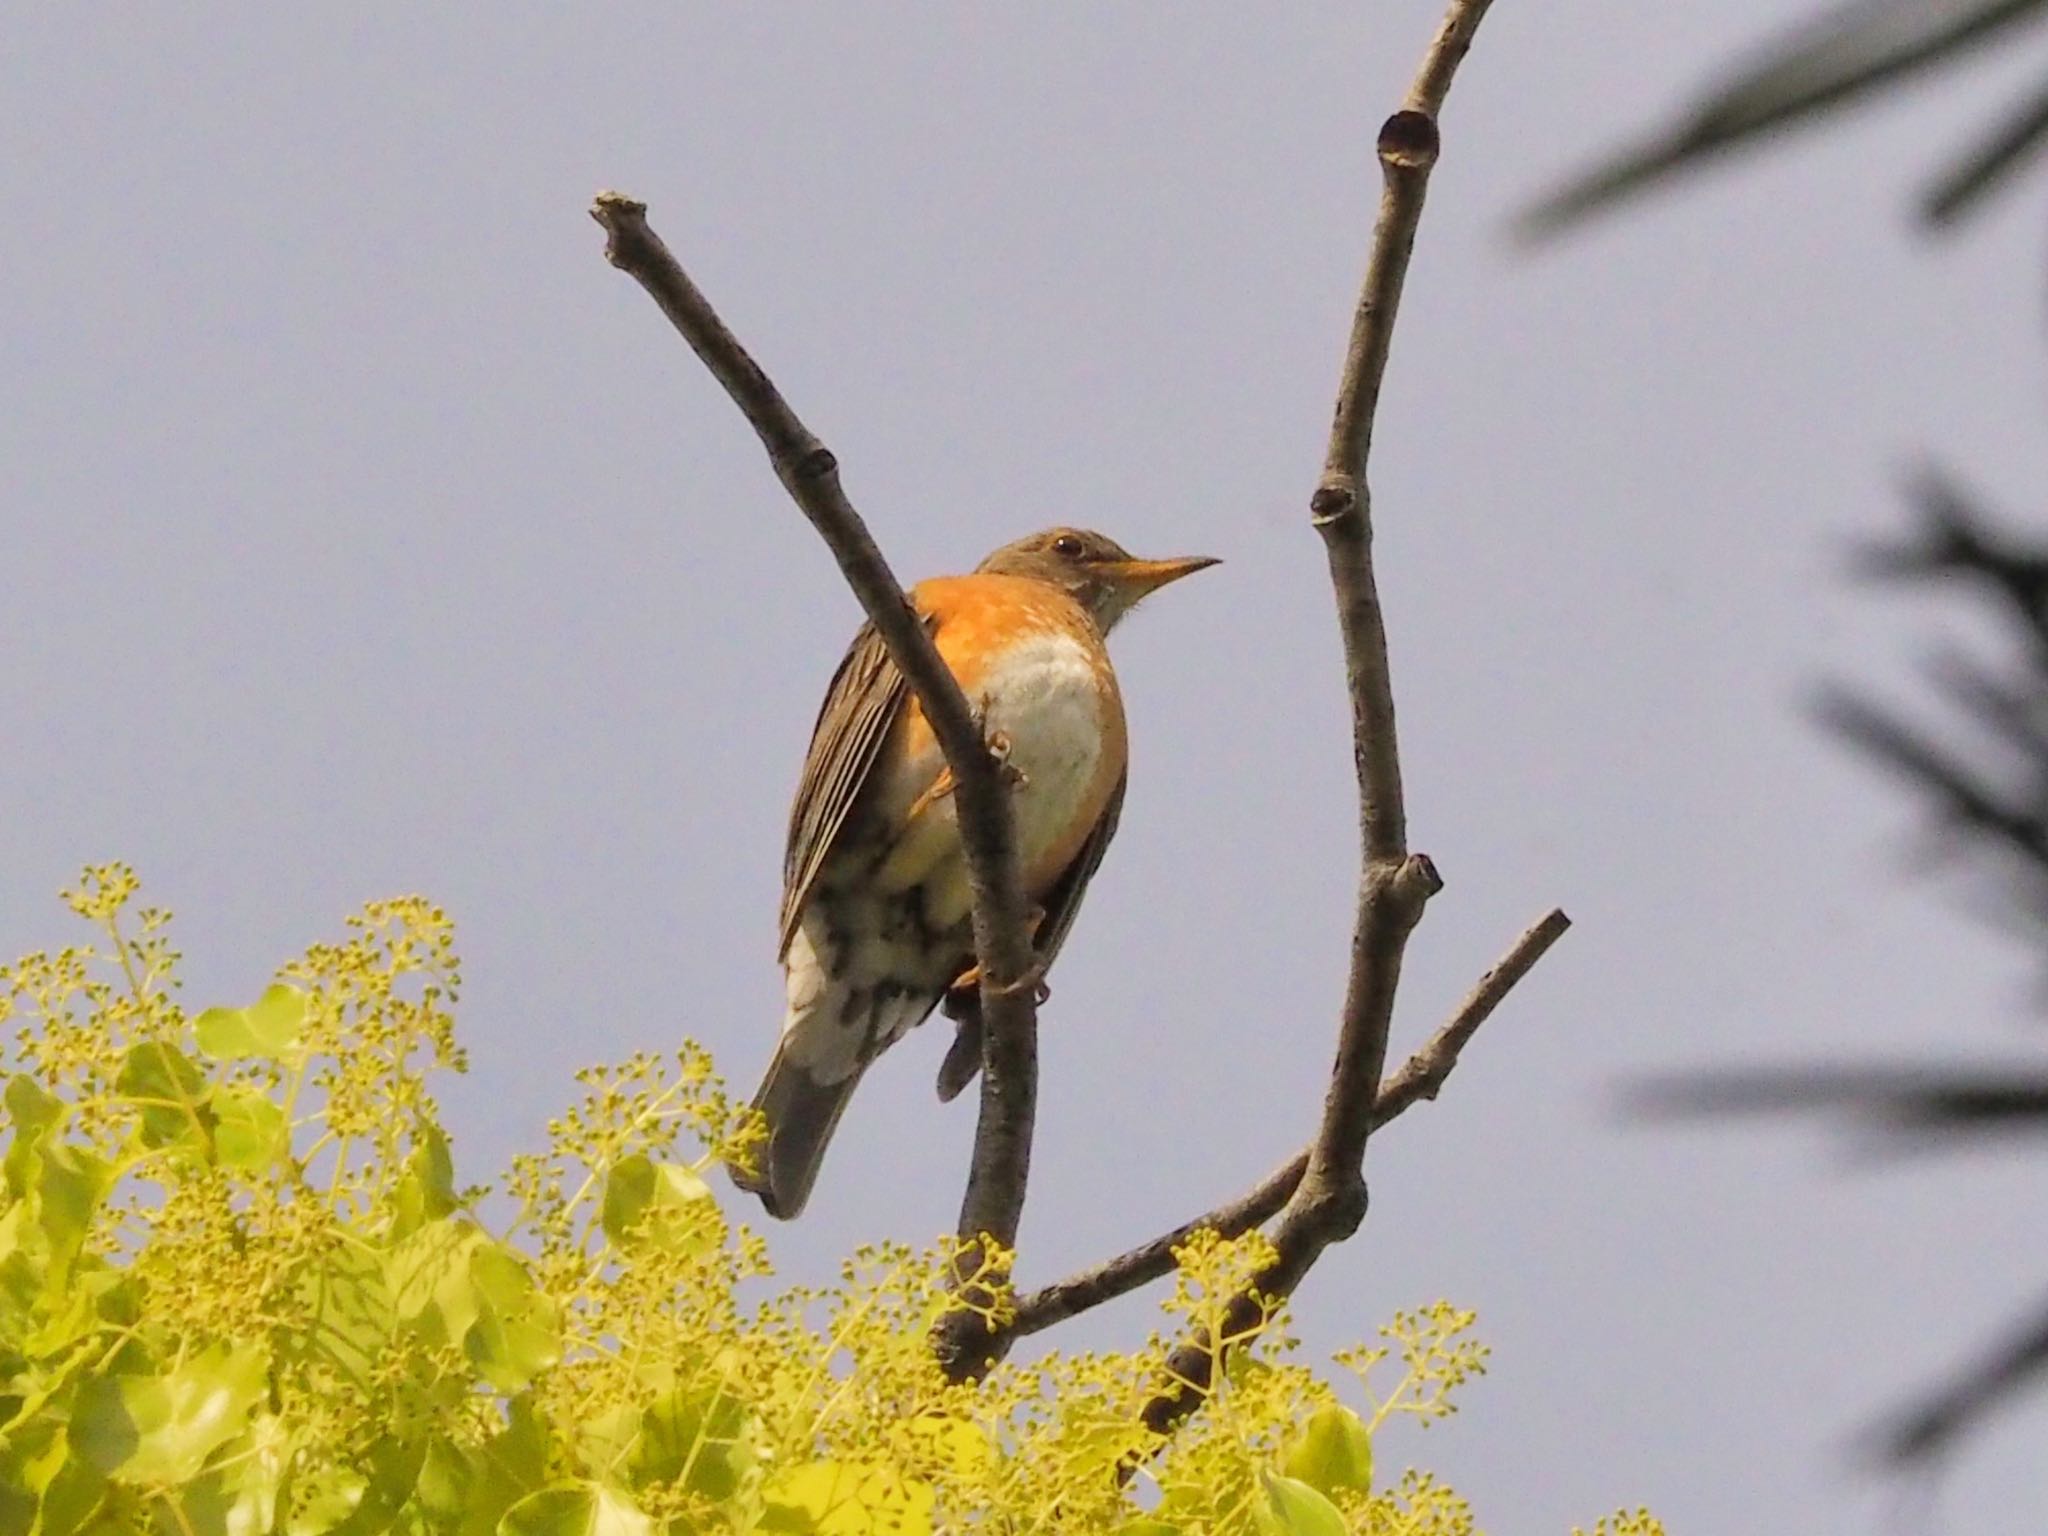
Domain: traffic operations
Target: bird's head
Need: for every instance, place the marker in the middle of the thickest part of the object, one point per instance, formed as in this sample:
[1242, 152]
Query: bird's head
[1092, 569]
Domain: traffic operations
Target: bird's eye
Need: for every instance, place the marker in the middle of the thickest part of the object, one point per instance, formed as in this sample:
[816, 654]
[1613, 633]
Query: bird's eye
[1066, 544]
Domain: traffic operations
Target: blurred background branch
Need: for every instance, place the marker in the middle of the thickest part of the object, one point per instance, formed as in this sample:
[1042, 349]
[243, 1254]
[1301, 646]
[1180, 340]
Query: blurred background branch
[1981, 773]
[1985, 789]
[1836, 60]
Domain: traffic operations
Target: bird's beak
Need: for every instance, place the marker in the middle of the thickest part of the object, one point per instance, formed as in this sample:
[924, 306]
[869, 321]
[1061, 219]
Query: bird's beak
[1138, 577]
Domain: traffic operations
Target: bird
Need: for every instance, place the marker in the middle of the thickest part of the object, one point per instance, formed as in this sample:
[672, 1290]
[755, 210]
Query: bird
[877, 914]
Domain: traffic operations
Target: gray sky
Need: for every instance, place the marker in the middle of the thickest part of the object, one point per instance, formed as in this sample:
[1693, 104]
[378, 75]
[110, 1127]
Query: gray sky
[364, 533]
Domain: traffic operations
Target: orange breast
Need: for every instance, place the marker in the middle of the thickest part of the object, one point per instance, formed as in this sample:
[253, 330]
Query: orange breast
[1034, 663]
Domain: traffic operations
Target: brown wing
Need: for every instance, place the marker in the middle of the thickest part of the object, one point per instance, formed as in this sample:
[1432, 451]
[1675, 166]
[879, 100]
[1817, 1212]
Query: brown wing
[866, 696]
[1062, 903]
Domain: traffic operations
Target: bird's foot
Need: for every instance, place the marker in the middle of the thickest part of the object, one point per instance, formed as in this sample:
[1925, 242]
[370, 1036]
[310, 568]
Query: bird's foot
[963, 997]
[1032, 981]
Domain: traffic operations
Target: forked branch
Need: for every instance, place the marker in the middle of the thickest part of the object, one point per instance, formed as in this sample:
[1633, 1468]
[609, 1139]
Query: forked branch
[1420, 1078]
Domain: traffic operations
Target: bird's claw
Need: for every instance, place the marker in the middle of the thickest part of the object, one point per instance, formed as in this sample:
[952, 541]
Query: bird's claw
[965, 991]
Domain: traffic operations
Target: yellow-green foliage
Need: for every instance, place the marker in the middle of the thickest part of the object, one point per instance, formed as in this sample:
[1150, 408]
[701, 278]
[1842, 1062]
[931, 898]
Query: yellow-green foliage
[241, 1292]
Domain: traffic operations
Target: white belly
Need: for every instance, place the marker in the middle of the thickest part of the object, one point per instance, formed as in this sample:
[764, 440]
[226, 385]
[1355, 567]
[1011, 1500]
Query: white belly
[1047, 702]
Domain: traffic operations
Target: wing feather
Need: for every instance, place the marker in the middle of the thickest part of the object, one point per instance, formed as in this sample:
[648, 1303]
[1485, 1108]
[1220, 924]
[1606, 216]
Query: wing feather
[866, 696]
[1063, 901]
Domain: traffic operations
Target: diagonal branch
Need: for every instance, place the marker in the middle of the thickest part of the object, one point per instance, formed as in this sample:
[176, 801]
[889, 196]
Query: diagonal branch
[1329, 1203]
[1422, 1077]
[994, 1200]
[1933, 1426]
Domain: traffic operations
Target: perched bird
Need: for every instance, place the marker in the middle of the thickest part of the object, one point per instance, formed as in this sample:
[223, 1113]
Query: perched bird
[877, 918]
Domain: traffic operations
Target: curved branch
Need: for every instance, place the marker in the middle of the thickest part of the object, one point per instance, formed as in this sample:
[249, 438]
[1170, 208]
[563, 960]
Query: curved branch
[994, 1200]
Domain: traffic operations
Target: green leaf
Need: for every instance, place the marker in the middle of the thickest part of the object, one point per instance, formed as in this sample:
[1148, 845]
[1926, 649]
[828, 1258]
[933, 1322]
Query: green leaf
[699, 1433]
[428, 1279]
[322, 1498]
[392, 1468]
[17, 1504]
[427, 1192]
[30, 1114]
[75, 1493]
[239, 1496]
[1295, 1509]
[90, 1298]
[843, 1498]
[353, 1316]
[516, 1334]
[662, 1204]
[1334, 1451]
[162, 1082]
[447, 1488]
[160, 1429]
[269, 1028]
[575, 1509]
[627, 1190]
[510, 1351]
[510, 1465]
[70, 1185]
[607, 1436]
[248, 1127]
[18, 1500]
[457, 1285]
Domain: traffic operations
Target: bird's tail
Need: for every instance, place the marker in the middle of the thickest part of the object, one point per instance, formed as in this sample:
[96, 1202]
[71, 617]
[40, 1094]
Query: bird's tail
[962, 1003]
[802, 1112]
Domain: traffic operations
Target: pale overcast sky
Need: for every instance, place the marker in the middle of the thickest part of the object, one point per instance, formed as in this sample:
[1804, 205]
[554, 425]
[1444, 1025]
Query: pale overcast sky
[364, 533]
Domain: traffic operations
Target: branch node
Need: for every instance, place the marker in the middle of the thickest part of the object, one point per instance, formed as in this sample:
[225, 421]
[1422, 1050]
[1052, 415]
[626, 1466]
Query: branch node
[1419, 879]
[1409, 141]
[1406, 884]
[1332, 504]
[1334, 1208]
[966, 1346]
[806, 462]
[1420, 1078]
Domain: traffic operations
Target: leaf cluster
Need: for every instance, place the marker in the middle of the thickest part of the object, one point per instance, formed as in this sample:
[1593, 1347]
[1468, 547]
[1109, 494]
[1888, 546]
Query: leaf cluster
[242, 1292]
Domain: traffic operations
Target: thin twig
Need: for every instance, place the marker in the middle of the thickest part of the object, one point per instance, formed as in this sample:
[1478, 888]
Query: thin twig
[1329, 1203]
[1079, 1292]
[1420, 1078]
[1423, 1075]
[994, 1200]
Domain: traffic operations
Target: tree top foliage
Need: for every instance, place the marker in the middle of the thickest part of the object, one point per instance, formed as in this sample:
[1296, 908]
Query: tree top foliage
[242, 1291]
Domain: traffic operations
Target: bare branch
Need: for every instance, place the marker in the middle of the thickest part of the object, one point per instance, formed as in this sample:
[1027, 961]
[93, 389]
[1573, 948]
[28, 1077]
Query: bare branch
[1088, 1288]
[1422, 1077]
[1329, 1203]
[1447, 50]
[994, 1200]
